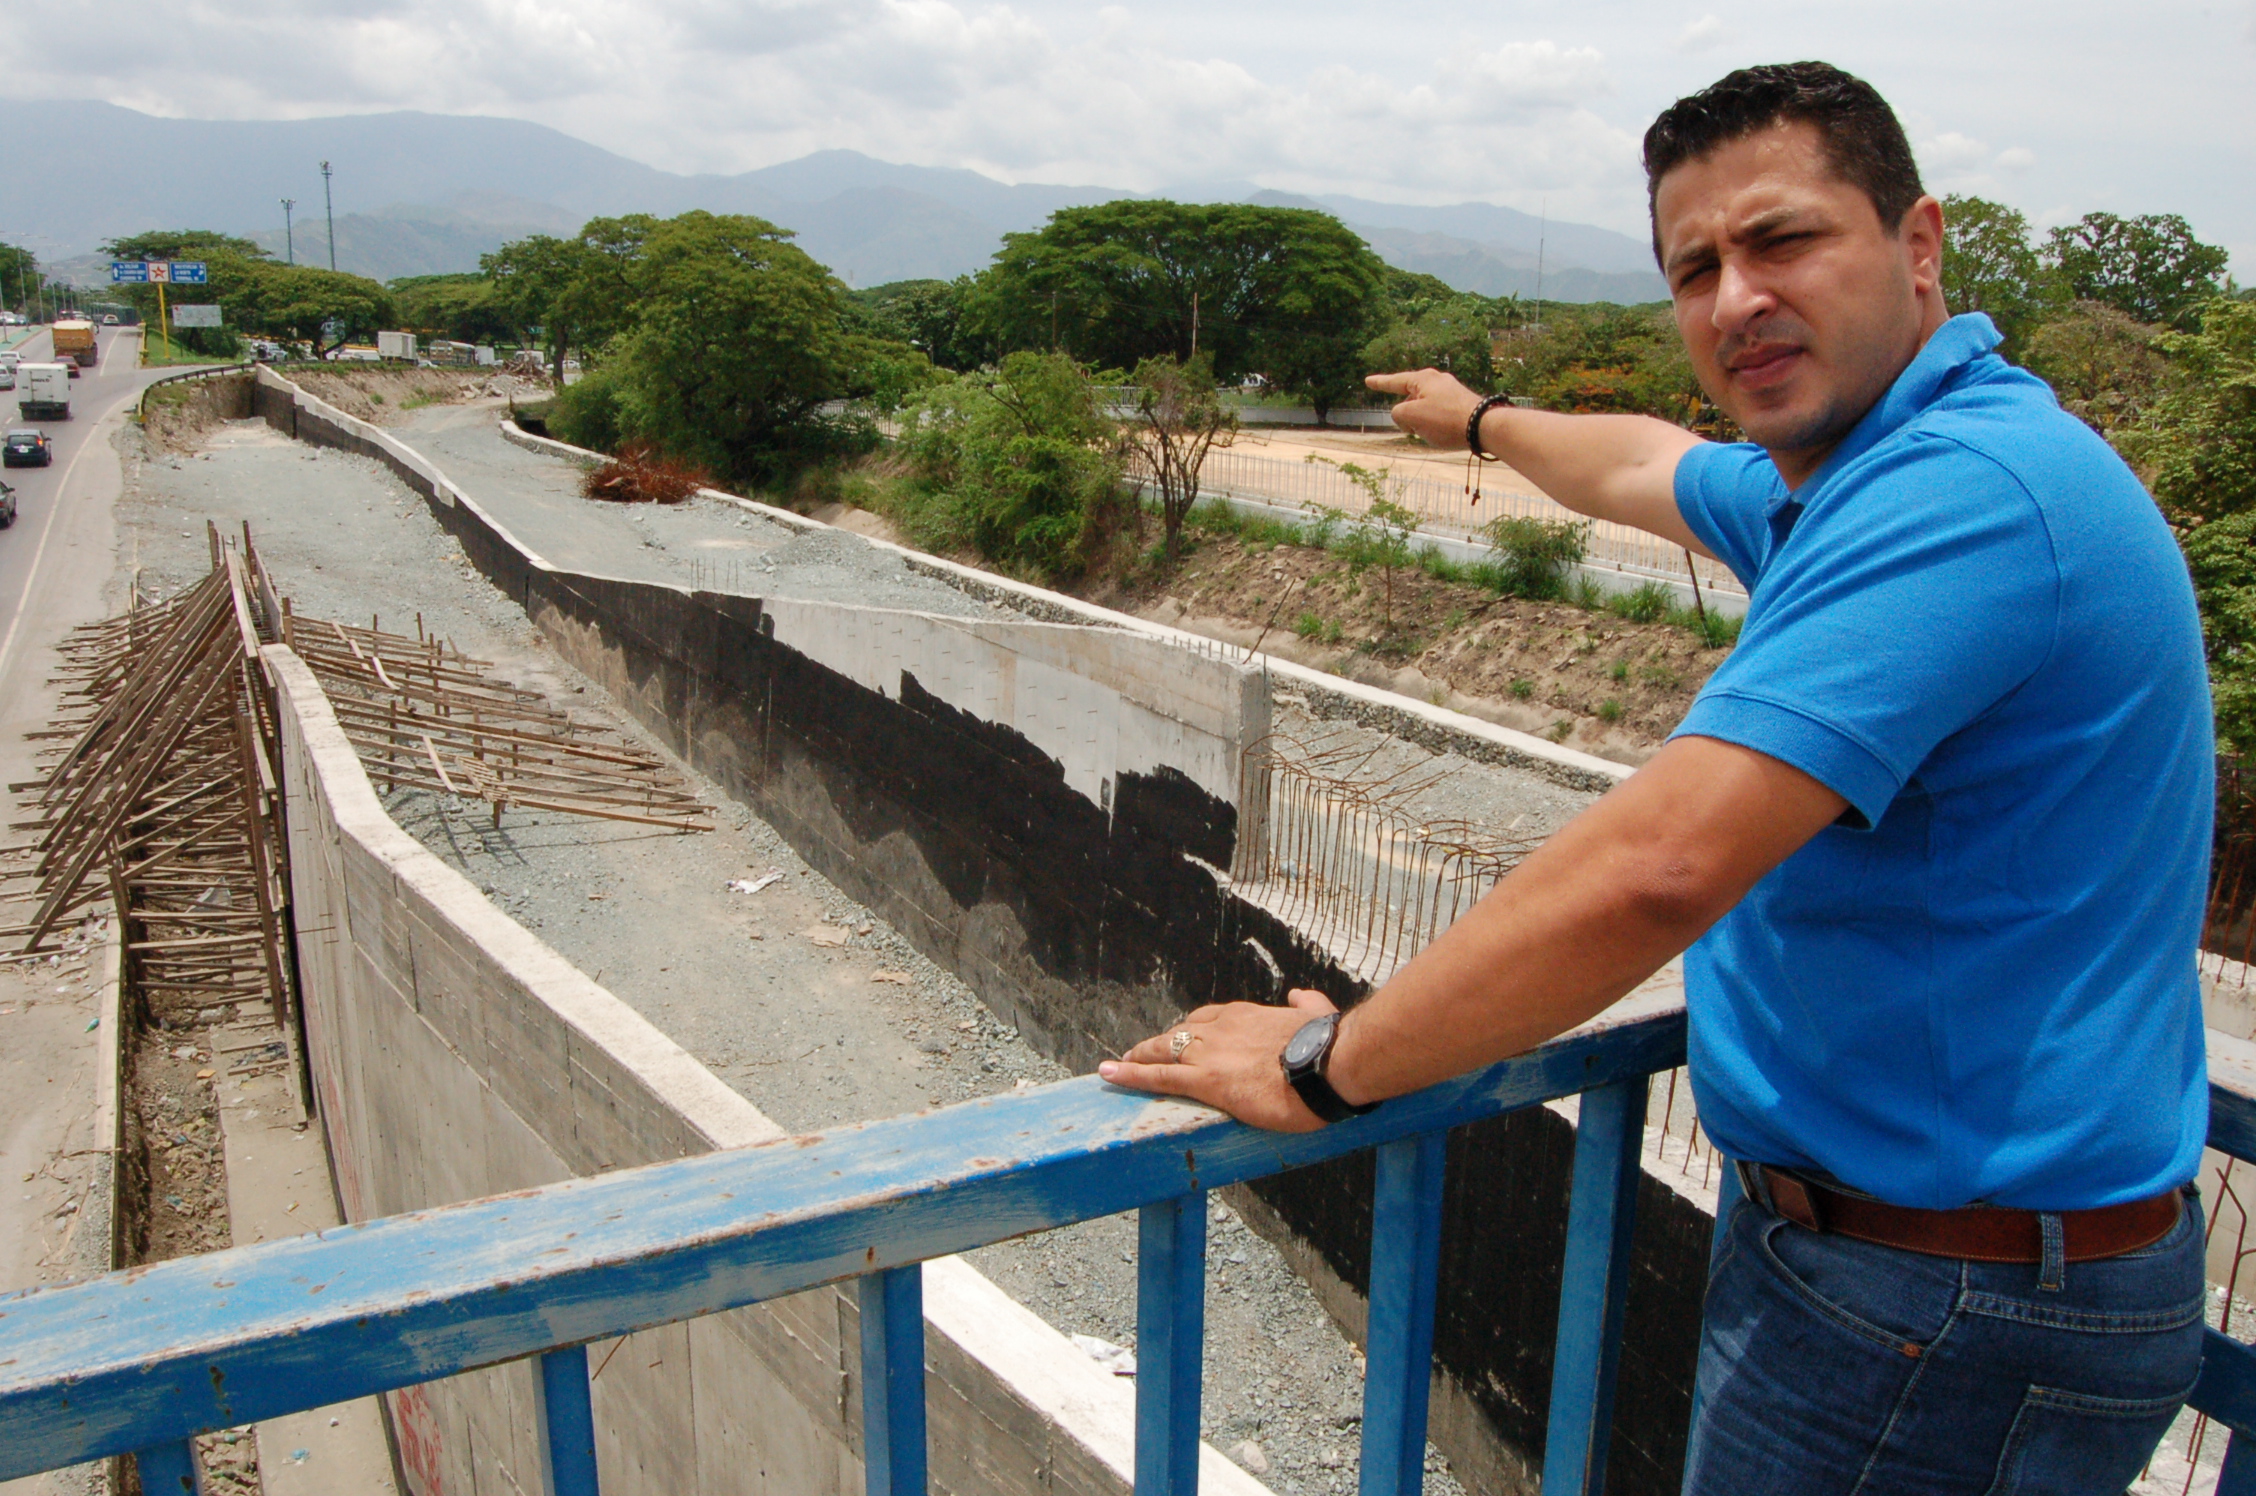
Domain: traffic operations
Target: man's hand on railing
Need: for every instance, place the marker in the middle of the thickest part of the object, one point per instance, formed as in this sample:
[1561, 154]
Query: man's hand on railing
[1230, 1057]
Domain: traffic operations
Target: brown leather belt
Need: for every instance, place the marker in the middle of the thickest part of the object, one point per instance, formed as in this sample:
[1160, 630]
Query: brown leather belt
[1978, 1233]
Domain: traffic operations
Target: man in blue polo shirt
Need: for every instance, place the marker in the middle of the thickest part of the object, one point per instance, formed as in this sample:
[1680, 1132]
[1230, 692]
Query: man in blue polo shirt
[1935, 835]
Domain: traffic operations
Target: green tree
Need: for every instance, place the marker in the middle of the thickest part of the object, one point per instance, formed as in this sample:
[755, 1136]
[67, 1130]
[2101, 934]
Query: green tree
[19, 274]
[1019, 465]
[534, 279]
[1991, 266]
[2197, 440]
[927, 315]
[2150, 268]
[324, 309]
[181, 244]
[2105, 368]
[1601, 358]
[1179, 419]
[1452, 335]
[461, 307]
[2221, 555]
[1288, 293]
[1381, 536]
[736, 343]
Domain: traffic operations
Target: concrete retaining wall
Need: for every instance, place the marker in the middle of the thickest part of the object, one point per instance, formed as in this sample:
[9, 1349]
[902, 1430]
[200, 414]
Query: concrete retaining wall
[454, 1055]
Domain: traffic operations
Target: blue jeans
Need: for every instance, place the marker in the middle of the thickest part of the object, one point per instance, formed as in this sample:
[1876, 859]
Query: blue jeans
[1829, 1365]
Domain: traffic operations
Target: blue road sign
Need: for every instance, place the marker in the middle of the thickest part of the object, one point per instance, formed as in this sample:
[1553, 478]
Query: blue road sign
[145, 272]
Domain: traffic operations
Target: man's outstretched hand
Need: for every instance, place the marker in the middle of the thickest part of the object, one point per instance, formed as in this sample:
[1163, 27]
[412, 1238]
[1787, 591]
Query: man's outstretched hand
[1434, 406]
[1232, 1060]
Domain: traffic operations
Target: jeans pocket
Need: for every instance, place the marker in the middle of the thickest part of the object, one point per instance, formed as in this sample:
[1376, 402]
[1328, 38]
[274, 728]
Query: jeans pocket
[1896, 1300]
[2073, 1443]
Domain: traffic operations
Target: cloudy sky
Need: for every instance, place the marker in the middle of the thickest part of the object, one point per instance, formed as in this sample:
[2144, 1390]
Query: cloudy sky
[2057, 109]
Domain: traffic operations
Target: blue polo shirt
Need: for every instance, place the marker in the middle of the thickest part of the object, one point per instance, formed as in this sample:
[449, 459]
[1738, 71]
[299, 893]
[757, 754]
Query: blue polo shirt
[1973, 624]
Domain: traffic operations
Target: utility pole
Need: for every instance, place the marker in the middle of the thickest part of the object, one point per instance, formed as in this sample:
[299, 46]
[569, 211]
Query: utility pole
[329, 207]
[289, 236]
[1542, 233]
[1194, 327]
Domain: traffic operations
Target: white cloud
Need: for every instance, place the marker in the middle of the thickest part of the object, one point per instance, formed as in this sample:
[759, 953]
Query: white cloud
[1703, 35]
[723, 85]
[1952, 161]
[1507, 100]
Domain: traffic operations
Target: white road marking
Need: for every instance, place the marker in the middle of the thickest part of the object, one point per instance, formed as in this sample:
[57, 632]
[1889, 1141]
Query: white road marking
[31, 577]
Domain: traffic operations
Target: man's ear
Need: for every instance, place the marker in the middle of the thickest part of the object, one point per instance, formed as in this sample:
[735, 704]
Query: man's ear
[1922, 234]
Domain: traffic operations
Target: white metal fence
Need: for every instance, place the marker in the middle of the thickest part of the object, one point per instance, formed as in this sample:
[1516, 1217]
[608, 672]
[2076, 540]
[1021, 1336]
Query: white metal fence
[1448, 509]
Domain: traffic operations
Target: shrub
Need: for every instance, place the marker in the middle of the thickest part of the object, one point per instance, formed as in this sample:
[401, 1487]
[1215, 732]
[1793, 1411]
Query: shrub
[1652, 602]
[586, 412]
[1533, 556]
[1018, 464]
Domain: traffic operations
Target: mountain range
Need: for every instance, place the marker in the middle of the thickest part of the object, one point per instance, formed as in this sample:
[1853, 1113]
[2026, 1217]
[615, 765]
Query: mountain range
[428, 193]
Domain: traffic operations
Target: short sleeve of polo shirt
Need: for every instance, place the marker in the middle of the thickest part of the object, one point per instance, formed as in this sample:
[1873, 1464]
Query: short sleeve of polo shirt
[1916, 590]
[1725, 493]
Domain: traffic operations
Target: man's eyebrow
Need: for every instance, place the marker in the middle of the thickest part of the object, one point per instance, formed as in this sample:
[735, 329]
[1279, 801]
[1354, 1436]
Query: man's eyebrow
[1761, 226]
[1764, 224]
[1697, 252]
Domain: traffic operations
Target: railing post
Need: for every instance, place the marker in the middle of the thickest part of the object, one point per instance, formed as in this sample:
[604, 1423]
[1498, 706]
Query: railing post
[170, 1470]
[1170, 1343]
[893, 1381]
[1601, 1216]
[1398, 1343]
[564, 1421]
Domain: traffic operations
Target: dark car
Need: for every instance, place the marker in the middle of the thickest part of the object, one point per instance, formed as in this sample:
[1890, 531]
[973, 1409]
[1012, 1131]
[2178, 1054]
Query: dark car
[7, 506]
[25, 447]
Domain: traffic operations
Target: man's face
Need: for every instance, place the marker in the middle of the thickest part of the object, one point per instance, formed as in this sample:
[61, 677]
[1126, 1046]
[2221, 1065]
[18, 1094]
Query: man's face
[1797, 305]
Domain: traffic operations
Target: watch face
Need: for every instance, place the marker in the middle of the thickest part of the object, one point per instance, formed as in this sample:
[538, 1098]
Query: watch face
[1307, 1044]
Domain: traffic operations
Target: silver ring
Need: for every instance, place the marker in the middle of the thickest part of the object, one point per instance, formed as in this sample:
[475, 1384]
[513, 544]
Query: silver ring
[1178, 1043]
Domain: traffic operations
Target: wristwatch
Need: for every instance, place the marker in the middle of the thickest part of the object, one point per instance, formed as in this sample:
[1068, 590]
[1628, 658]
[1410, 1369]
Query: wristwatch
[1305, 1057]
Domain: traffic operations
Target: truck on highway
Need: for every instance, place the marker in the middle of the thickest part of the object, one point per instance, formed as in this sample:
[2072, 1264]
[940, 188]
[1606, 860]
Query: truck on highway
[46, 391]
[396, 345]
[74, 339]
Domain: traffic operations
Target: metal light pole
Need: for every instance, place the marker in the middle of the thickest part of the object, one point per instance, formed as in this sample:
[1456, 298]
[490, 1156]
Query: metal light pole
[289, 236]
[329, 208]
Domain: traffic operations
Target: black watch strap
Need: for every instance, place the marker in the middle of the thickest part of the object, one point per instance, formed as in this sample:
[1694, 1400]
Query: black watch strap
[1305, 1059]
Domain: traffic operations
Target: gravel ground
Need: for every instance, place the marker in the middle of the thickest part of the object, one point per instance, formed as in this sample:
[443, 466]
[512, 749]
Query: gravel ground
[795, 996]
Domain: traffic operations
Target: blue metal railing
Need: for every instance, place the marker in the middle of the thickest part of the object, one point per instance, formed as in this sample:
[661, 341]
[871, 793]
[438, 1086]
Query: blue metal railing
[140, 1362]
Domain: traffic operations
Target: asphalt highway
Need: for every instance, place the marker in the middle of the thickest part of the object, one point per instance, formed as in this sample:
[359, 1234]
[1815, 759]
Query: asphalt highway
[55, 563]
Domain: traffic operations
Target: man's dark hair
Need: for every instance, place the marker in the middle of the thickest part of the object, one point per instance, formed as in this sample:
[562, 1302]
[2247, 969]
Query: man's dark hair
[1862, 137]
